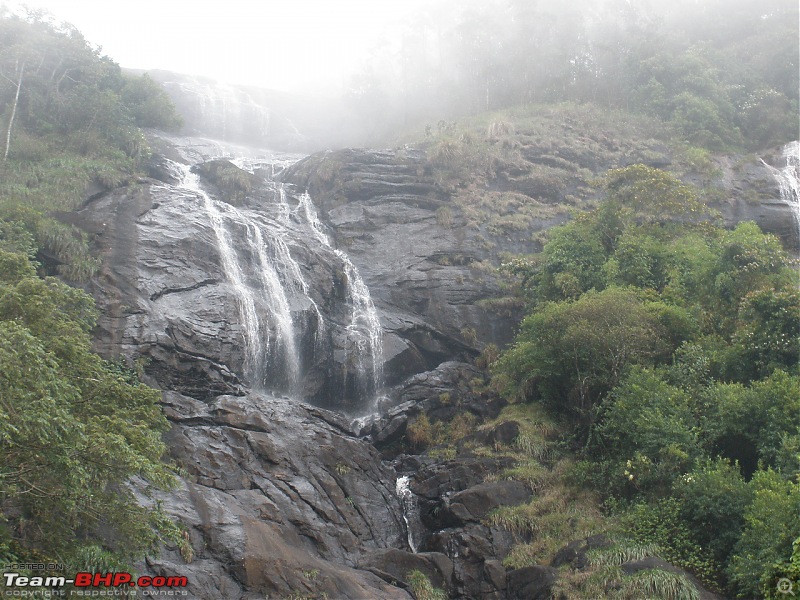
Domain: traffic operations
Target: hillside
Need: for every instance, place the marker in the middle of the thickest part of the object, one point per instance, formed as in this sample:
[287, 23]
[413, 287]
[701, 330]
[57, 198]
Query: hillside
[544, 344]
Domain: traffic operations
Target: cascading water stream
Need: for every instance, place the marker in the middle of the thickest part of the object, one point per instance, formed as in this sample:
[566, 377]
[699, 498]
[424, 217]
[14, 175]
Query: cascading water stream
[271, 283]
[364, 330]
[276, 309]
[409, 502]
[260, 347]
[788, 178]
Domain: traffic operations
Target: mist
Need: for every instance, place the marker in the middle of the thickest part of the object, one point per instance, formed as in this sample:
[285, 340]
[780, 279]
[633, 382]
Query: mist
[721, 72]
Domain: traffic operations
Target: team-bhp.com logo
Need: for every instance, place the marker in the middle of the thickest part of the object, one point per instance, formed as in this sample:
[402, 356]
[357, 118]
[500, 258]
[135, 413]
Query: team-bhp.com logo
[94, 584]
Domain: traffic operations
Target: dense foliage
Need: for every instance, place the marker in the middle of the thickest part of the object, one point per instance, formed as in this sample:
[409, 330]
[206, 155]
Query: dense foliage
[724, 73]
[672, 348]
[70, 122]
[74, 429]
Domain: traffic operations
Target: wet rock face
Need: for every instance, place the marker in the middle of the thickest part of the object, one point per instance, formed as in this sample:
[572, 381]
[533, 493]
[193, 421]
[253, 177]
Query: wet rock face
[454, 498]
[423, 271]
[164, 292]
[273, 511]
[751, 193]
[164, 295]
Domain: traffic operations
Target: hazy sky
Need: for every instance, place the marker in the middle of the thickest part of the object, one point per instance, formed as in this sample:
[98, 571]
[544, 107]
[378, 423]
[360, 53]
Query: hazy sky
[278, 44]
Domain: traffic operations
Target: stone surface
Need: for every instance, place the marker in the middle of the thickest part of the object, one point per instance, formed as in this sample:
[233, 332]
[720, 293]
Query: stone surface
[574, 554]
[752, 194]
[399, 563]
[424, 276]
[275, 513]
[451, 499]
[531, 583]
[654, 562]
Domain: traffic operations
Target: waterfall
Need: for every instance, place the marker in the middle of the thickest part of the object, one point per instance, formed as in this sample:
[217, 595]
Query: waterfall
[364, 334]
[788, 179]
[409, 502]
[284, 330]
[265, 356]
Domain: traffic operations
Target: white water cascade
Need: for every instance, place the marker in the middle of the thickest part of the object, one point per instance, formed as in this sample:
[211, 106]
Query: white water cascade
[364, 332]
[788, 178]
[403, 491]
[275, 268]
[283, 328]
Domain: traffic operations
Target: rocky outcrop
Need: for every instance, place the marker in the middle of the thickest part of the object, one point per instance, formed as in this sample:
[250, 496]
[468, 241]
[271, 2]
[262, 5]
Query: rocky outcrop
[453, 500]
[441, 394]
[270, 512]
[424, 271]
[164, 294]
[751, 193]
[575, 556]
[395, 566]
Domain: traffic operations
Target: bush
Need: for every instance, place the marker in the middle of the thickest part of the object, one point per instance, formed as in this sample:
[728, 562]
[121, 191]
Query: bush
[420, 433]
[713, 500]
[569, 355]
[660, 523]
[767, 550]
[422, 588]
[73, 430]
[646, 434]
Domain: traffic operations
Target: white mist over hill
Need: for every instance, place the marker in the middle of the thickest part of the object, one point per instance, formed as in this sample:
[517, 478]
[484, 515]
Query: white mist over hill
[277, 45]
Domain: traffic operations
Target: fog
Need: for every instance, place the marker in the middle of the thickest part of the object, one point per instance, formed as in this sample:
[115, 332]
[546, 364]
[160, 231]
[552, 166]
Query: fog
[279, 45]
[720, 72]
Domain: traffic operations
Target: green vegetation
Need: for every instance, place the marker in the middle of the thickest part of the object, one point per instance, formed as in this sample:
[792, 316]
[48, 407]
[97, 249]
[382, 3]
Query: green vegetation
[721, 74]
[71, 121]
[669, 348]
[422, 588]
[74, 429]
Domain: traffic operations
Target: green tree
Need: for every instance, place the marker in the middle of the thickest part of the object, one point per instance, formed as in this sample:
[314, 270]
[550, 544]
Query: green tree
[646, 435]
[765, 552]
[149, 104]
[713, 498]
[73, 428]
[568, 355]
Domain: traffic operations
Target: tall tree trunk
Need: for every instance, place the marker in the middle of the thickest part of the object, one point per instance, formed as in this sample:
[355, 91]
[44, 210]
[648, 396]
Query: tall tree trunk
[13, 112]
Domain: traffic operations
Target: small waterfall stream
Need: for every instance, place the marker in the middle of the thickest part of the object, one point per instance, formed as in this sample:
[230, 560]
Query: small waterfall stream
[364, 330]
[410, 515]
[788, 178]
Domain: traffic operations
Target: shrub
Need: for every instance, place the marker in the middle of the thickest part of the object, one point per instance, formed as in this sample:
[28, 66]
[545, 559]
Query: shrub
[422, 588]
[767, 550]
[420, 433]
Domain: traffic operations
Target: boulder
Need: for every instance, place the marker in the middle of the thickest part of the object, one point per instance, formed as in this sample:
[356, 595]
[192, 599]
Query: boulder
[474, 503]
[531, 583]
[437, 567]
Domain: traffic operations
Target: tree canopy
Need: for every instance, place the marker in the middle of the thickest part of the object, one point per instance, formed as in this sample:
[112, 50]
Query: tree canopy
[73, 428]
[671, 347]
[723, 74]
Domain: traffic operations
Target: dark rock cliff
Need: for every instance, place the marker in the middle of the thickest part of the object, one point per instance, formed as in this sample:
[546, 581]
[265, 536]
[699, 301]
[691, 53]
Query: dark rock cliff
[426, 275]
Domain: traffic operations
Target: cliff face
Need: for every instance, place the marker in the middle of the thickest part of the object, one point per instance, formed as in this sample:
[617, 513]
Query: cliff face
[427, 273]
[241, 301]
